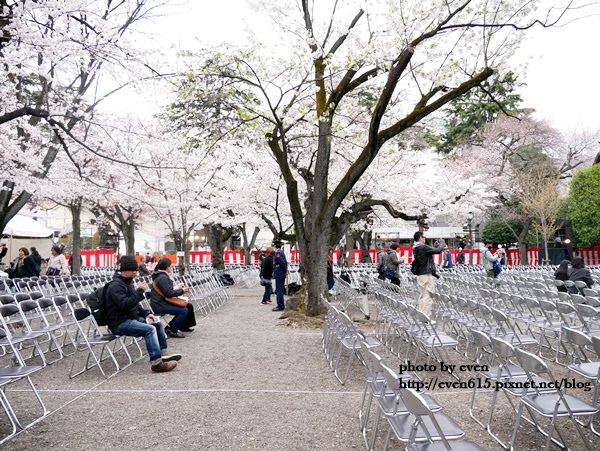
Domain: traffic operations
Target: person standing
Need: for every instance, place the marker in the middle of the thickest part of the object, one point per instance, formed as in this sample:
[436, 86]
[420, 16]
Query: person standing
[393, 262]
[57, 264]
[330, 278]
[3, 251]
[266, 274]
[382, 258]
[280, 271]
[447, 258]
[37, 258]
[126, 316]
[489, 258]
[460, 257]
[142, 269]
[425, 269]
[26, 265]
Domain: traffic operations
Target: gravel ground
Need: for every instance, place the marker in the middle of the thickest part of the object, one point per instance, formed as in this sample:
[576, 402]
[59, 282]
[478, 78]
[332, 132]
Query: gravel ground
[247, 380]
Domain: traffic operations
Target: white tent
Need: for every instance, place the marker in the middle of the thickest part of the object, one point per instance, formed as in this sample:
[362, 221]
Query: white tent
[23, 231]
[24, 227]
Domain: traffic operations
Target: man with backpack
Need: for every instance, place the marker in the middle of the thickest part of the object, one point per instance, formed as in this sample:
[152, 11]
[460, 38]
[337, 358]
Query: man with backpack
[125, 315]
[424, 269]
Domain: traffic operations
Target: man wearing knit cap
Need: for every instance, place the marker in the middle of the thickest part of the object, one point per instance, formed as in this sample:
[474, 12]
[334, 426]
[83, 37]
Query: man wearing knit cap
[127, 317]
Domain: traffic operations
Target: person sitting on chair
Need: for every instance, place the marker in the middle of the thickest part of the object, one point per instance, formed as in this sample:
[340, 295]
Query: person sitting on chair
[578, 272]
[162, 279]
[126, 316]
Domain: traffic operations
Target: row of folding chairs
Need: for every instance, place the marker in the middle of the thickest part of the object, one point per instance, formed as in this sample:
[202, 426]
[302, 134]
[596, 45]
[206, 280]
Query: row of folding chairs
[530, 388]
[50, 329]
[346, 295]
[404, 329]
[341, 340]
[414, 419]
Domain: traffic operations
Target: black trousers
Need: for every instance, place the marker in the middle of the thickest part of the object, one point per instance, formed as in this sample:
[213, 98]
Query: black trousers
[190, 319]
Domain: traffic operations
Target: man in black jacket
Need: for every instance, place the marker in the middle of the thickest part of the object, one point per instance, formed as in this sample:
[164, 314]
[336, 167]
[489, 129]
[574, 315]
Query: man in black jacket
[425, 269]
[127, 317]
[266, 274]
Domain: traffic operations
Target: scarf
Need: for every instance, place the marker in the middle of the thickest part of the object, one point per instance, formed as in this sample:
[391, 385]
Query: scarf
[165, 272]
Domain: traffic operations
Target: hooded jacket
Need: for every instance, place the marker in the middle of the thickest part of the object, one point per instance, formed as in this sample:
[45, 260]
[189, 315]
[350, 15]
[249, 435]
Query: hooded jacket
[422, 254]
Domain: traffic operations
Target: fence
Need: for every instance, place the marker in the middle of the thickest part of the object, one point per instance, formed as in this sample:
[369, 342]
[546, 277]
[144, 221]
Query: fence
[106, 257]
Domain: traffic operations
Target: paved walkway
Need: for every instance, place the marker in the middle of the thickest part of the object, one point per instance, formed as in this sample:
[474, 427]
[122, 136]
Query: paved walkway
[246, 381]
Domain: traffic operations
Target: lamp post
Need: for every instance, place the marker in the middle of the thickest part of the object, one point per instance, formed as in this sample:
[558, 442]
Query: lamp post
[470, 226]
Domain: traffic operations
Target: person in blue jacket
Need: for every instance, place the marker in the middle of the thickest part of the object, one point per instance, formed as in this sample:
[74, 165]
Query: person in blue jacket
[280, 271]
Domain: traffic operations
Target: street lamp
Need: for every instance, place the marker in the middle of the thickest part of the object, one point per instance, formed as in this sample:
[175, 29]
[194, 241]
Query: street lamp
[470, 226]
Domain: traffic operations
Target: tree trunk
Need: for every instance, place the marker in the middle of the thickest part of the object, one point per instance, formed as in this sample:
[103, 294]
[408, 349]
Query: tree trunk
[129, 236]
[75, 208]
[217, 237]
[314, 259]
[522, 244]
[248, 245]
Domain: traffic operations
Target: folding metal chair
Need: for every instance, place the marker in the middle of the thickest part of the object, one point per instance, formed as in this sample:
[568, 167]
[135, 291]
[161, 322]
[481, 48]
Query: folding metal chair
[349, 339]
[430, 341]
[549, 405]
[444, 428]
[11, 375]
[12, 321]
[88, 339]
[393, 408]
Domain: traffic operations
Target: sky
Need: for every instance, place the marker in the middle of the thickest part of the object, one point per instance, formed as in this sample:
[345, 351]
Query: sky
[562, 64]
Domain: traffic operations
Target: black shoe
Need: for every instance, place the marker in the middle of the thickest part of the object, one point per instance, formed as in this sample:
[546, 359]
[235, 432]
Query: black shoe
[187, 330]
[278, 309]
[177, 334]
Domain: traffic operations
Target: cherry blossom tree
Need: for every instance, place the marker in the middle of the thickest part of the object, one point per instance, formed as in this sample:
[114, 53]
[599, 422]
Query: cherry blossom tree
[53, 55]
[339, 76]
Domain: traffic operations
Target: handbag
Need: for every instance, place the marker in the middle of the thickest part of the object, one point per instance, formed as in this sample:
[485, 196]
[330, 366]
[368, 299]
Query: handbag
[265, 282]
[389, 273]
[180, 301]
[53, 272]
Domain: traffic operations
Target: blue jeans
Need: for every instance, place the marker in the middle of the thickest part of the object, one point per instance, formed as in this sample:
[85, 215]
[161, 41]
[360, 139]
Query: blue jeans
[330, 282]
[154, 335]
[267, 293]
[180, 313]
[279, 291]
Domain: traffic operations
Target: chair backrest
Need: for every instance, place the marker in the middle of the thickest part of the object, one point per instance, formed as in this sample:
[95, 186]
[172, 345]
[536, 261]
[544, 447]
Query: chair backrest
[20, 297]
[7, 299]
[587, 311]
[480, 339]
[564, 297]
[414, 402]
[577, 298]
[596, 343]
[576, 337]
[502, 348]
[391, 378]
[530, 362]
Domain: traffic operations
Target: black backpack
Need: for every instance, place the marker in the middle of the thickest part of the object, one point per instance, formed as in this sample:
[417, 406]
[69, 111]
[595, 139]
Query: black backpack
[413, 266]
[97, 302]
